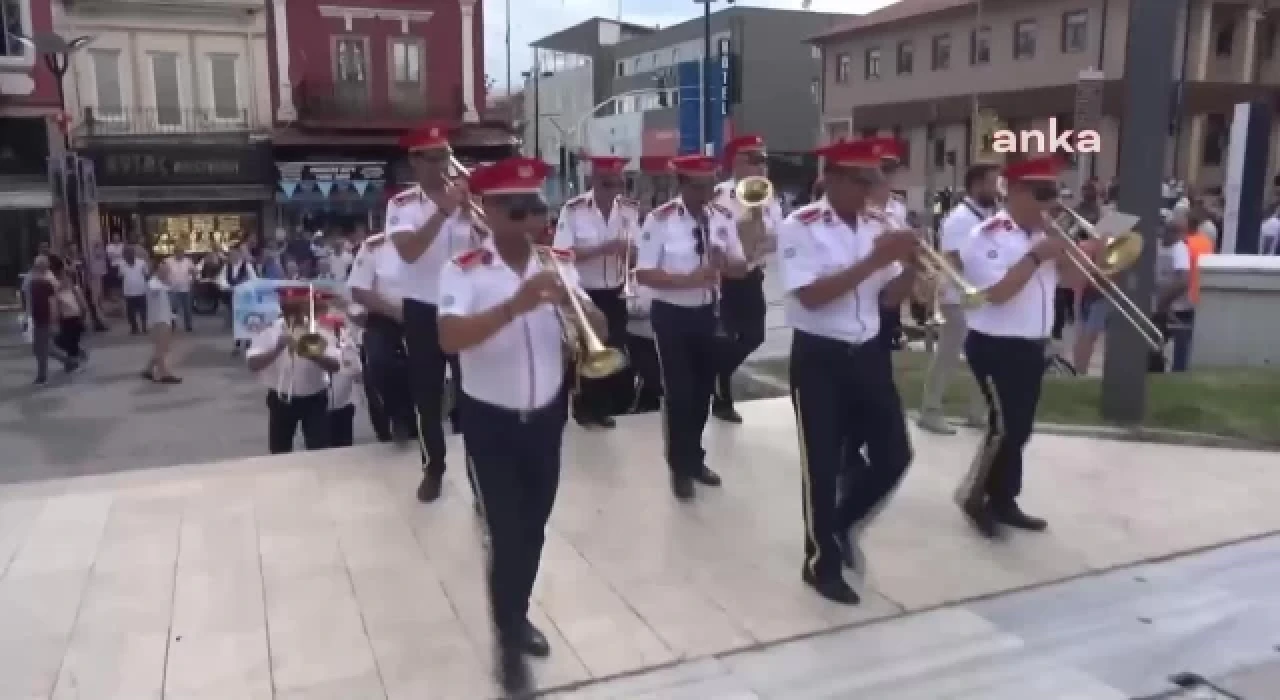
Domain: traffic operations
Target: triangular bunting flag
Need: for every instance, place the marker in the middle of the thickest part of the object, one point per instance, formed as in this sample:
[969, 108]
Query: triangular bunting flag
[289, 187]
[361, 186]
[325, 188]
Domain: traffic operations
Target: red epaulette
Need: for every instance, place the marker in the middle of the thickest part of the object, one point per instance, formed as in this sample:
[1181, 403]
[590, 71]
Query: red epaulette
[561, 254]
[407, 196]
[372, 242]
[579, 201]
[664, 211]
[997, 223]
[876, 215]
[472, 258]
[720, 209]
[809, 214]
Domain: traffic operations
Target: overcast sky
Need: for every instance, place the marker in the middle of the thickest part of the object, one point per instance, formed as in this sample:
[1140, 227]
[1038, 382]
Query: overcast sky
[533, 19]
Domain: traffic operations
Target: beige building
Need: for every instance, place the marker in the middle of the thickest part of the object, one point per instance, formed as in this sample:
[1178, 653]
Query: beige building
[916, 69]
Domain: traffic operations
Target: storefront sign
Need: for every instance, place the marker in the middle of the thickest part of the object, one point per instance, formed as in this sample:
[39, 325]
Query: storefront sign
[331, 172]
[181, 165]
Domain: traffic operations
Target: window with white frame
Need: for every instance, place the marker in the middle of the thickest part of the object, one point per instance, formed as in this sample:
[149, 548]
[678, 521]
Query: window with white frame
[352, 66]
[406, 62]
[224, 88]
[15, 21]
[167, 90]
[108, 97]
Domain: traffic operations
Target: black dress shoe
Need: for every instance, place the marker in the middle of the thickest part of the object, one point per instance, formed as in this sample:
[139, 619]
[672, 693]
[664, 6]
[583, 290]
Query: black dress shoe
[981, 519]
[835, 589]
[607, 422]
[400, 434]
[727, 413]
[535, 642]
[1013, 516]
[708, 477]
[513, 672]
[429, 489]
[682, 487]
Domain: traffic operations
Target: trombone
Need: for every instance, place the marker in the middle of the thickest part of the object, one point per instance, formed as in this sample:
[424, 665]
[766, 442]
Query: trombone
[1119, 252]
[628, 277]
[307, 344]
[593, 358]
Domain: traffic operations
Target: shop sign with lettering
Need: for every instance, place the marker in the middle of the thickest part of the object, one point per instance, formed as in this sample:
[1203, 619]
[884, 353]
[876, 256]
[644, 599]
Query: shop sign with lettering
[143, 166]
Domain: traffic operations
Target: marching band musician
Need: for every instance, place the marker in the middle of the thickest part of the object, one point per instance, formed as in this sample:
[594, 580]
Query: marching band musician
[428, 224]
[374, 282]
[598, 227]
[743, 305]
[686, 247]
[297, 386]
[979, 204]
[342, 403]
[840, 259]
[498, 311]
[1012, 259]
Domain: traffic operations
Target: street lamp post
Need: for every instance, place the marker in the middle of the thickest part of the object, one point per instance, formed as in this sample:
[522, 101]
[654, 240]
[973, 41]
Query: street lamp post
[707, 65]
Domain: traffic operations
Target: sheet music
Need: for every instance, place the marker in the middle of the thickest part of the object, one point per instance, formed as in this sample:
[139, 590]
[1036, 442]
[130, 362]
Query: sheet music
[1114, 223]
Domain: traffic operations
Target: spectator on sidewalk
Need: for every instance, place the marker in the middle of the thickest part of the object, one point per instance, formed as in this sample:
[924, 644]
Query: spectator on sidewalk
[182, 273]
[42, 308]
[238, 270]
[159, 312]
[133, 282]
[71, 309]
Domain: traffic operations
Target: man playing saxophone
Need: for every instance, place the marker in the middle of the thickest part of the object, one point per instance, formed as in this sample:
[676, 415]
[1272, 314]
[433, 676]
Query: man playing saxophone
[743, 305]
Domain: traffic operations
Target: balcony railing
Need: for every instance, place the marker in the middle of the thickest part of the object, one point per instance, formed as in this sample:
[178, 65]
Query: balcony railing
[356, 107]
[160, 121]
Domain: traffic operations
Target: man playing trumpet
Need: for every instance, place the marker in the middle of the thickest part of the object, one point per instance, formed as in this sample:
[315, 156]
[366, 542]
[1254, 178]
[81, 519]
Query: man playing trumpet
[598, 227]
[743, 306]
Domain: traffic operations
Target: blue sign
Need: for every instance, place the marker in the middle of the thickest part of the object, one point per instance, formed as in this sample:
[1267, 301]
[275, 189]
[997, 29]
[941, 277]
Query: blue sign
[257, 304]
[690, 74]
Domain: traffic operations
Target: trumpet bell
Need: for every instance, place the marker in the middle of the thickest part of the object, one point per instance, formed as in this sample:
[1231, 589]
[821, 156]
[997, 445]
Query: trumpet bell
[1121, 252]
[602, 363]
[311, 344]
[754, 191]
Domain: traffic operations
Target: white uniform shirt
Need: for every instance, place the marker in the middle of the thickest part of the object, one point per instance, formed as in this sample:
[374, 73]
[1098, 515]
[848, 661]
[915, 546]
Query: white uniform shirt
[341, 392]
[378, 268]
[522, 366]
[727, 197]
[1269, 236]
[961, 222]
[408, 212]
[814, 244]
[992, 249]
[288, 372]
[668, 243]
[583, 224]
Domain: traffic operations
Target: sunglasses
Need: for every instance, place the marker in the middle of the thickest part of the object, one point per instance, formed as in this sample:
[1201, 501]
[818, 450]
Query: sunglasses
[609, 184]
[432, 156]
[755, 157]
[1044, 193]
[521, 207]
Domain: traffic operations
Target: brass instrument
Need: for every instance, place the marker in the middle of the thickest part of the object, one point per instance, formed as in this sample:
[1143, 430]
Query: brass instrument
[934, 265]
[593, 358]
[628, 276]
[1119, 252]
[754, 192]
[307, 343]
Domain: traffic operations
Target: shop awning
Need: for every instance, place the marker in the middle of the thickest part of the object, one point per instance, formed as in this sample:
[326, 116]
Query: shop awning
[26, 195]
[194, 193]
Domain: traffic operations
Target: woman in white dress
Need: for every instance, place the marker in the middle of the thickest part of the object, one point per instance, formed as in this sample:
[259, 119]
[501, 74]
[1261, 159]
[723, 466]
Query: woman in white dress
[160, 319]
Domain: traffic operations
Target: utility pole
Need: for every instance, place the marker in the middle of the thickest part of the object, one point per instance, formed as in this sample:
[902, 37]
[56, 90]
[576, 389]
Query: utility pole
[509, 86]
[706, 77]
[1148, 76]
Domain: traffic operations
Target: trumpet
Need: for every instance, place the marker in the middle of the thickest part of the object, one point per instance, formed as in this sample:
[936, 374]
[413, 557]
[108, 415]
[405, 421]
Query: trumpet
[628, 277]
[754, 192]
[308, 343]
[1119, 252]
[935, 265]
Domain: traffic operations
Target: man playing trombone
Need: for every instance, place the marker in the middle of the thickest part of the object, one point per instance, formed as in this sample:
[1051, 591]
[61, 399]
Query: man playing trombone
[743, 306]
[500, 311]
[840, 260]
[428, 224]
[686, 247]
[598, 226]
[979, 204]
[1014, 258]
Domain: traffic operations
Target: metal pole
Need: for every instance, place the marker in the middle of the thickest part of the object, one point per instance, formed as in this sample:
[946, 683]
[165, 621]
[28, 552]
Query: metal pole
[509, 52]
[58, 65]
[706, 75]
[537, 110]
[1148, 85]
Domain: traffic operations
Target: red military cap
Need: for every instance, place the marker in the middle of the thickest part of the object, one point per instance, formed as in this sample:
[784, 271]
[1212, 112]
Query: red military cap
[509, 176]
[333, 322]
[426, 137]
[742, 144]
[890, 148]
[1043, 169]
[694, 165]
[863, 153]
[293, 293]
[608, 165]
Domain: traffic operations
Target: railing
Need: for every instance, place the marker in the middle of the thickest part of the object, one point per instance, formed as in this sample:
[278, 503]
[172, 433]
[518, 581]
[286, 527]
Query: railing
[152, 121]
[356, 107]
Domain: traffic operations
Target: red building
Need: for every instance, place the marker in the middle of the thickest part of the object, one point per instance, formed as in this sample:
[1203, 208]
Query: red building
[349, 78]
[28, 136]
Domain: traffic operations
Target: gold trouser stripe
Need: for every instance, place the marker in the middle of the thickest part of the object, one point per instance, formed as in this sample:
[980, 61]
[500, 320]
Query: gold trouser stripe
[974, 484]
[806, 487]
[663, 403]
[475, 480]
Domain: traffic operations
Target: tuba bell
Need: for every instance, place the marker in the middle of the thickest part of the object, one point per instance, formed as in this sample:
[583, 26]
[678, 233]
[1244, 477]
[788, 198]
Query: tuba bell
[754, 192]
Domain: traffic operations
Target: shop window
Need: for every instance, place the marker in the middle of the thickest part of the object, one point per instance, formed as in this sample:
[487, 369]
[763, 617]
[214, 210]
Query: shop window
[196, 233]
[15, 20]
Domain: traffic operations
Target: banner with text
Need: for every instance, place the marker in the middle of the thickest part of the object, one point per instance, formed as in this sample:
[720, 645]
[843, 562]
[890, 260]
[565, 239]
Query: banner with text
[257, 304]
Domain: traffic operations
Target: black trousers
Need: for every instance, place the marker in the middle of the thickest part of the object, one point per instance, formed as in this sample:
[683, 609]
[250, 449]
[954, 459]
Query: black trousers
[689, 358]
[70, 333]
[515, 461]
[742, 311]
[135, 309]
[373, 399]
[600, 398]
[1064, 310]
[426, 379]
[1010, 372]
[285, 416]
[386, 373]
[890, 326]
[342, 425]
[844, 397]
